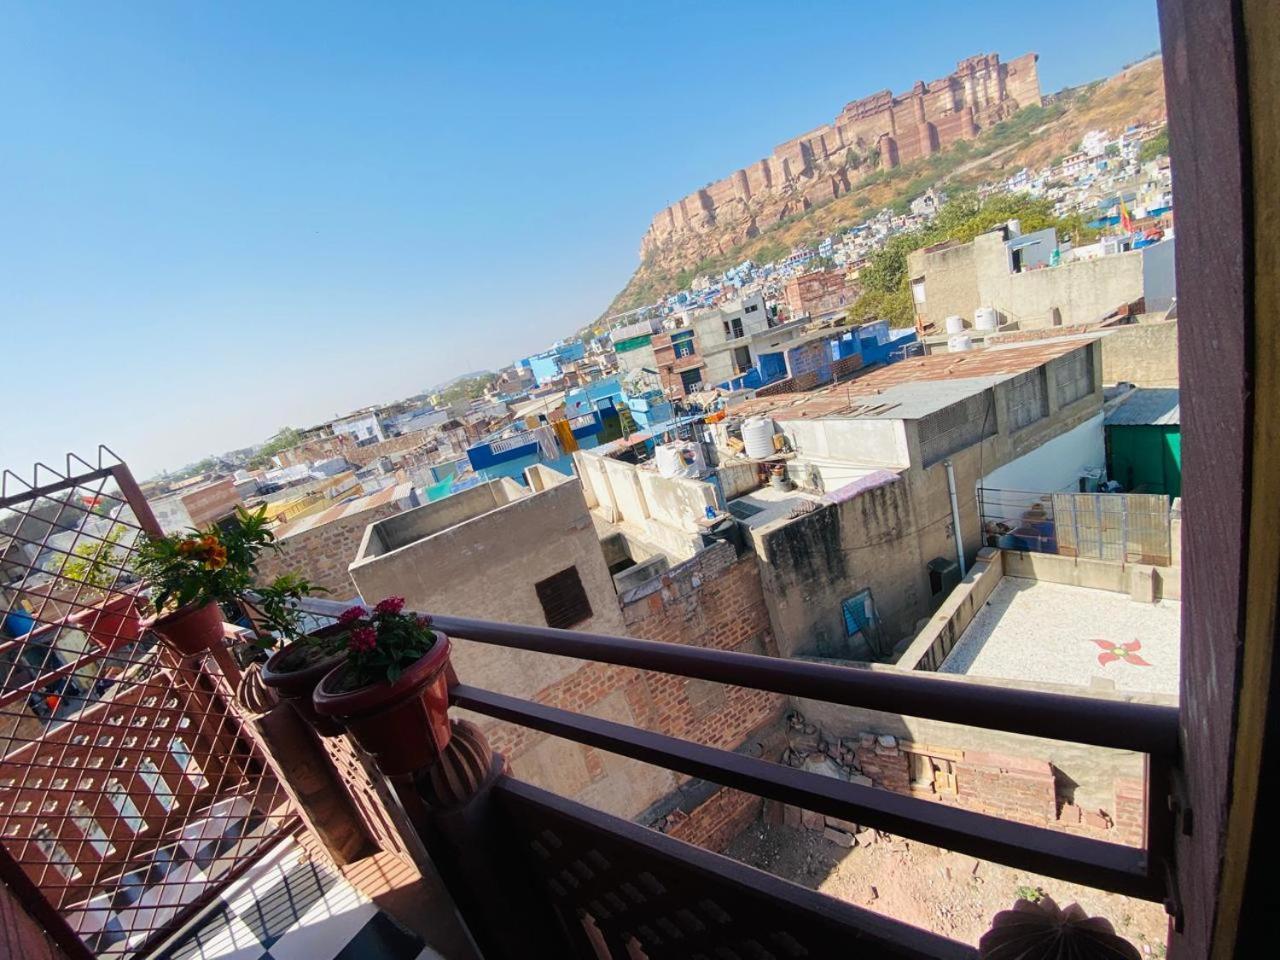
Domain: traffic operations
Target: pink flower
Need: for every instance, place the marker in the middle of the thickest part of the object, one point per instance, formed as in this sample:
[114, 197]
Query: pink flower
[352, 613]
[391, 605]
[362, 639]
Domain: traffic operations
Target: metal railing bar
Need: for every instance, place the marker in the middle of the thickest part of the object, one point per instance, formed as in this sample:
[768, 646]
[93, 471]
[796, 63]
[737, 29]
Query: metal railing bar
[1095, 863]
[1120, 725]
[45, 490]
[876, 935]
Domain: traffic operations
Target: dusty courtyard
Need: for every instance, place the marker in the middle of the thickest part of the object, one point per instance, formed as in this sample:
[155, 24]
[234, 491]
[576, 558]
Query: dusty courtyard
[946, 892]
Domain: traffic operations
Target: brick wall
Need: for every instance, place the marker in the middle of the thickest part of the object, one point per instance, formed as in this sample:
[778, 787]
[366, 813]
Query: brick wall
[323, 553]
[714, 823]
[713, 600]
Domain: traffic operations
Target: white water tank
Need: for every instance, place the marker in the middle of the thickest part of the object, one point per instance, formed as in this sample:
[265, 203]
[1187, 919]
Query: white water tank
[959, 343]
[757, 434]
[685, 459]
[955, 324]
[985, 318]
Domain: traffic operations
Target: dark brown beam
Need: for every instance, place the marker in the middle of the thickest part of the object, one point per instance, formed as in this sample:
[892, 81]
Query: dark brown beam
[1120, 725]
[1106, 866]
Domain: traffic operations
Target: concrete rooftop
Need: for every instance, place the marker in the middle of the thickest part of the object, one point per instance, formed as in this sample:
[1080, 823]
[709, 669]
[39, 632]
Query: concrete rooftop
[1049, 632]
[764, 506]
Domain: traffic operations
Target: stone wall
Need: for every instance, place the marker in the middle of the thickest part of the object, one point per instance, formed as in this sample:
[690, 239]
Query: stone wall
[1144, 354]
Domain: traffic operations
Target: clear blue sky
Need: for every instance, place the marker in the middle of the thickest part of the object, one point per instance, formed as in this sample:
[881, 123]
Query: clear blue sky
[217, 219]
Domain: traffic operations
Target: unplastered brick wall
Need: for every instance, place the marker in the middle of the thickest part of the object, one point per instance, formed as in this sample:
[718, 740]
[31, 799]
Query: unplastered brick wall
[362, 456]
[713, 600]
[1011, 787]
[714, 823]
[322, 554]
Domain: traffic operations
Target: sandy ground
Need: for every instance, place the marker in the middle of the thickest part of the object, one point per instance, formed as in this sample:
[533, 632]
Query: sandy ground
[948, 893]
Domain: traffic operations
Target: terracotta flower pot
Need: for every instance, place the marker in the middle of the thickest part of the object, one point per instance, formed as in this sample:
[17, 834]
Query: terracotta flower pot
[296, 684]
[404, 725]
[191, 629]
[112, 623]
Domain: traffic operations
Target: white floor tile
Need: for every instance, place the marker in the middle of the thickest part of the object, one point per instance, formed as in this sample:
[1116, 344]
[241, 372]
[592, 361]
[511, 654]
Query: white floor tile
[327, 926]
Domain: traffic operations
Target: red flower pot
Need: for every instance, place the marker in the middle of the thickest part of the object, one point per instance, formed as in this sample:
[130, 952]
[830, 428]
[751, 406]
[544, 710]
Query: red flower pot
[191, 629]
[404, 725]
[112, 623]
[296, 684]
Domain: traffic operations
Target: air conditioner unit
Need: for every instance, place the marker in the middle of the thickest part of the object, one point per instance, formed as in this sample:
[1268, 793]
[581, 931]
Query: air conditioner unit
[944, 576]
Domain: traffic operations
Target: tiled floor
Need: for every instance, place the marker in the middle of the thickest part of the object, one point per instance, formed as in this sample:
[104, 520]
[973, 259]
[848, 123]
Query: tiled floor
[291, 907]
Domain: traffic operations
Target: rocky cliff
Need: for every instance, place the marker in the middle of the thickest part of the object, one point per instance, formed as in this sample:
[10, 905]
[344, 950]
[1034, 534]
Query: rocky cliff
[881, 131]
[888, 155]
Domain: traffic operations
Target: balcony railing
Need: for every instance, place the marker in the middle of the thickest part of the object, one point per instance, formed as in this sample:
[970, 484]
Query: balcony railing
[543, 820]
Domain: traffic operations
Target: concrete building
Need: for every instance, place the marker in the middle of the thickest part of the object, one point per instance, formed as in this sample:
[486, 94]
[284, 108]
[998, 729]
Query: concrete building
[723, 336]
[197, 506]
[321, 546]
[819, 295]
[633, 347]
[860, 543]
[362, 429]
[1031, 283]
[850, 566]
[533, 555]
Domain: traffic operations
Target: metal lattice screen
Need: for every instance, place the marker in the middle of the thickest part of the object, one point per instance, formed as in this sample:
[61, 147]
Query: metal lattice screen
[130, 791]
[1118, 527]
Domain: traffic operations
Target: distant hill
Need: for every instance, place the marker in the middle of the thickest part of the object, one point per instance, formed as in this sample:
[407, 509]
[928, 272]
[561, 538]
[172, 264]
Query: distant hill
[446, 384]
[1031, 137]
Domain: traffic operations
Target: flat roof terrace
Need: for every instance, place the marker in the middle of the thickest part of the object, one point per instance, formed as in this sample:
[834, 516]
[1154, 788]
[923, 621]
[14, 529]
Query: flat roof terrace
[1059, 633]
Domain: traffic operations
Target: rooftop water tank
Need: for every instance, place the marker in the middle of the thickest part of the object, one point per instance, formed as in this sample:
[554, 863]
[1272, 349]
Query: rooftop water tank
[955, 324]
[985, 318]
[960, 343]
[684, 459]
[757, 434]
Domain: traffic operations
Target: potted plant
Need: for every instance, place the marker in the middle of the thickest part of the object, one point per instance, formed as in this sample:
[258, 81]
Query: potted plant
[392, 692]
[99, 567]
[294, 670]
[193, 574]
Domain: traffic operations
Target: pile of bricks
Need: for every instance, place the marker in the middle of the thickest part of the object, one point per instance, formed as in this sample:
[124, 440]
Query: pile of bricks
[1013, 788]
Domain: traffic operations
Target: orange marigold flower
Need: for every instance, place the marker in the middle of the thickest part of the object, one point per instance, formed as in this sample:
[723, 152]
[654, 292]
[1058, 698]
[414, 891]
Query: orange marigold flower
[187, 546]
[217, 558]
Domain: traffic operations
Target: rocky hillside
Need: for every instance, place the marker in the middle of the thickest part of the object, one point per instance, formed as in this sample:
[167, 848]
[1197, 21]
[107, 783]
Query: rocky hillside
[1032, 137]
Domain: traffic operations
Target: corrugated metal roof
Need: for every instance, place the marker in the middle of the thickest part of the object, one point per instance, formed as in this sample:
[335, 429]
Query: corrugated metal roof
[901, 384]
[374, 500]
[1146, 407]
